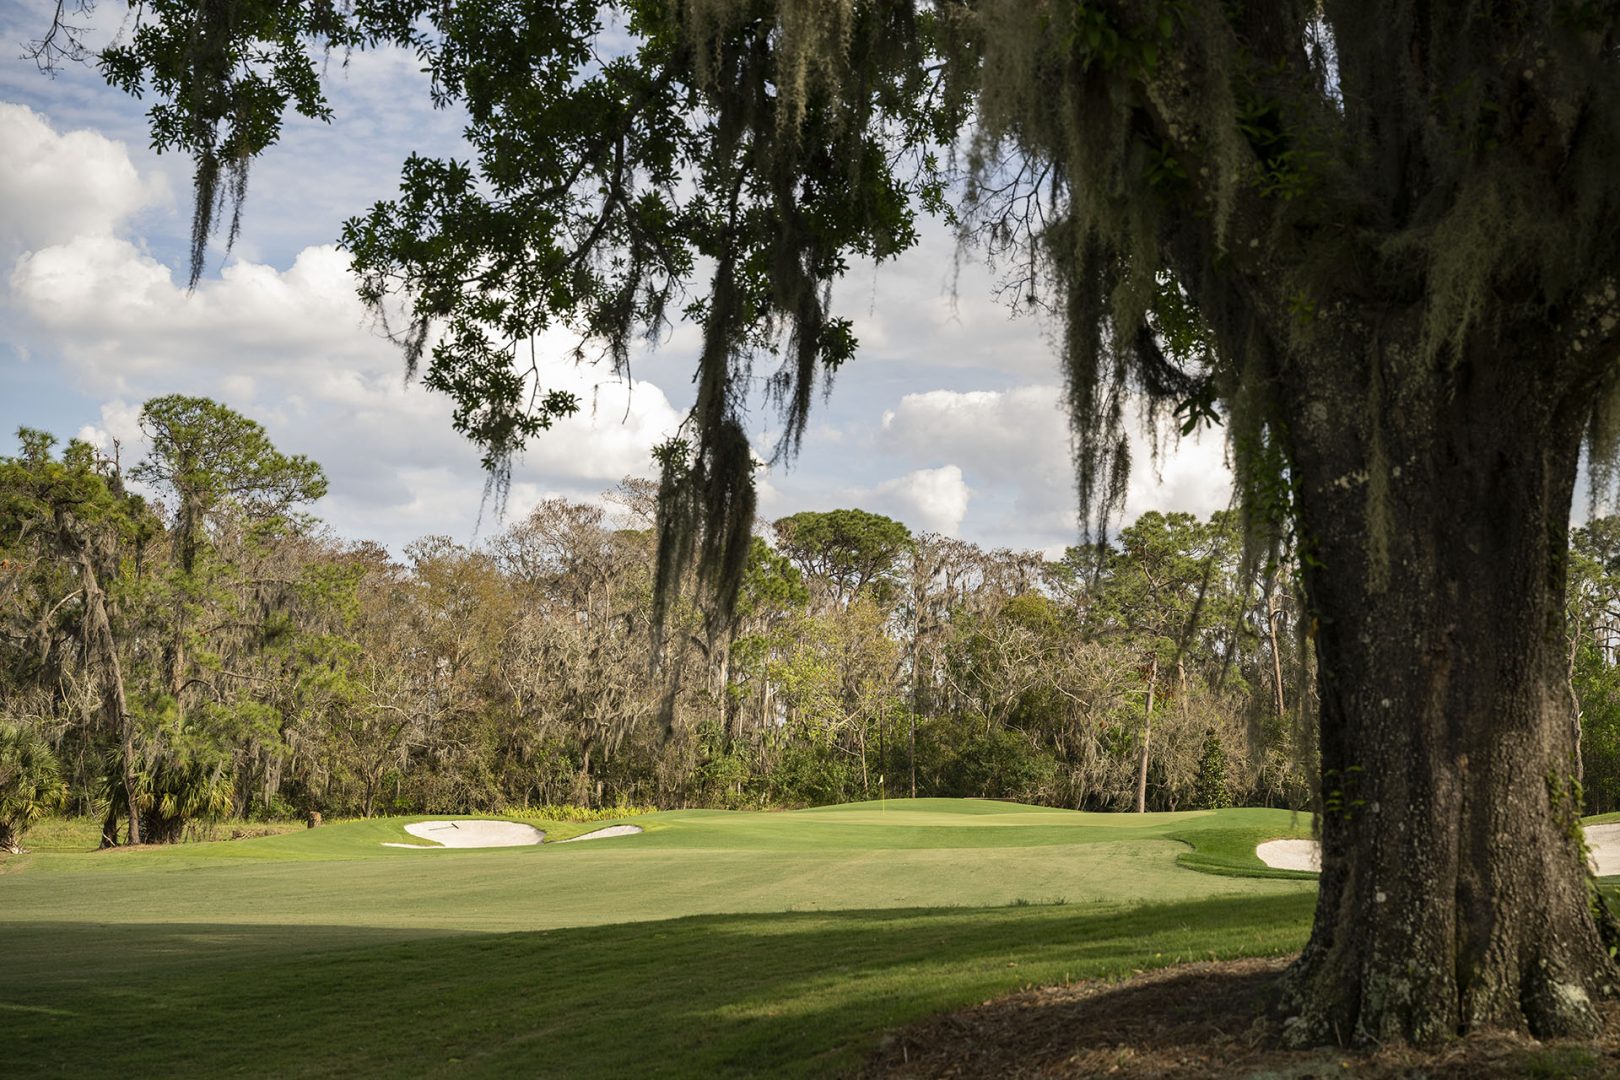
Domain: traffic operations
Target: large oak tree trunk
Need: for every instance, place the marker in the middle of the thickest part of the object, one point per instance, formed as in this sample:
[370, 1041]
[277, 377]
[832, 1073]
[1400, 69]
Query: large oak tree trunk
[1453, 890]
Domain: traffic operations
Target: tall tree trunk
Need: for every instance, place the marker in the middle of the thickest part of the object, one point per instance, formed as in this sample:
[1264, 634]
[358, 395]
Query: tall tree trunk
[911, 754]
[114, 701]
[1575, 705]
[1147, 739]
[1273, 613]
[866, 784]
[109, 826]
[582, 783]
[188, 526]
[1453, 894]
[916, 681]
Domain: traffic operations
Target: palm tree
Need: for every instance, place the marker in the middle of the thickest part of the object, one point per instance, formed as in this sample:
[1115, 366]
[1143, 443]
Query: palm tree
[30, 783]
[181, 776]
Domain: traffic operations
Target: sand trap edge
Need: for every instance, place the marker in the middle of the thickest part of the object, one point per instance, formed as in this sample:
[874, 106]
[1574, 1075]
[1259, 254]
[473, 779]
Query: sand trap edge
[1290, 855]
[601, 834]
[1602, 843]
[471, 833]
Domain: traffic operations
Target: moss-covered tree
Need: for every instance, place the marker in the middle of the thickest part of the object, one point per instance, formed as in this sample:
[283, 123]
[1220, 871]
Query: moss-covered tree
[210, 462]
[68, 520]
[1375, 238]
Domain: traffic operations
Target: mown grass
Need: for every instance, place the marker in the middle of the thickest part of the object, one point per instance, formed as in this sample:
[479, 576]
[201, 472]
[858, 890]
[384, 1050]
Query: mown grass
[729, 995]
[1227, 849]
[715, 943]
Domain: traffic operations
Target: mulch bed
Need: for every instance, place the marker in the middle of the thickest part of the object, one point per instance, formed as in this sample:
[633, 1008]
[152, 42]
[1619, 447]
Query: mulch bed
[1199, 1021]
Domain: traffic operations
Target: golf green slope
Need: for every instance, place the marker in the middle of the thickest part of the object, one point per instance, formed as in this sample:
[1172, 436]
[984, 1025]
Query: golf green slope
[714, 943]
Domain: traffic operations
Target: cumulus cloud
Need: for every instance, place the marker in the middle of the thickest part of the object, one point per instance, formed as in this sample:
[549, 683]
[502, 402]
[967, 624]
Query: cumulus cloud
[1190, 475]
[930, 500]
[926, 500]
[57, 187]
[1006, 435]
[97, 324]
[1015, 445]
[294, 349]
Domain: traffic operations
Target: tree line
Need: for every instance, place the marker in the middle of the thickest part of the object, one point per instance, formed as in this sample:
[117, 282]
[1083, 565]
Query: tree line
[211, 649]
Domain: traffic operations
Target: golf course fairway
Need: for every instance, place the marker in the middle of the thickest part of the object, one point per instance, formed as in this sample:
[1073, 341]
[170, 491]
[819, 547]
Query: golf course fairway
[714, 943]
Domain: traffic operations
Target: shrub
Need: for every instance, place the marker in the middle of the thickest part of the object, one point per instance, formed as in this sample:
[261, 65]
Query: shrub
[30, 783]
[1212, 792]
[183, 777]
[571, 812]
[998, 763]
[810, 774]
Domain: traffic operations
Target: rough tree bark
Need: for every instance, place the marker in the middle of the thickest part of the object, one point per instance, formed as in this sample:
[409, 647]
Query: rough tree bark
[1453, 890]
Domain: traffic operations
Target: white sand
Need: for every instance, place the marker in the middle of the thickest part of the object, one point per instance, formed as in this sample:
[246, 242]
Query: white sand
[611, 830]
[1291, 855]
[1603, 841]
[473, 834]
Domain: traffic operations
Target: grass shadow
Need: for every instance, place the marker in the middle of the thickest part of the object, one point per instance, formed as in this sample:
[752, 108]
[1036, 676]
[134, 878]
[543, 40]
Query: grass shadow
[801, 994]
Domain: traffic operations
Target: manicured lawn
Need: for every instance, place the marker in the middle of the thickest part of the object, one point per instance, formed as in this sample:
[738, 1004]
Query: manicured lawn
[715, 943]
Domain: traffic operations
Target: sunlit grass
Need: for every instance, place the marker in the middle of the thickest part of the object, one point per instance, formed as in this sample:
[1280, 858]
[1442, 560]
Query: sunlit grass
[715, 943]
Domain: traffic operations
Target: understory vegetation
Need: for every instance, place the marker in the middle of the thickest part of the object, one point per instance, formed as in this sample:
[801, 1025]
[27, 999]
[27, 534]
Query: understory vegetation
[209, 651]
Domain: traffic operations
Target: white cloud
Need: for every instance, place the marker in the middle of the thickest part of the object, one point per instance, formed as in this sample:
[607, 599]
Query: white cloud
[1191, 475]
[1015, 443]
[294, 349]
[935, 308]
[90, 232]
[929, 500]
[926, 500]
[1012, 445]
[1004, 433]
[120, 424]
[57, 187]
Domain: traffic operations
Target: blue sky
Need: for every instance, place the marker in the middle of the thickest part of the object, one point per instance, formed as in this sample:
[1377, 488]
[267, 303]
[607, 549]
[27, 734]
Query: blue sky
[948, 418]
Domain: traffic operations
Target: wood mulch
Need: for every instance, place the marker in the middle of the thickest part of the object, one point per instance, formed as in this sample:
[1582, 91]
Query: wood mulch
[1206, 1021]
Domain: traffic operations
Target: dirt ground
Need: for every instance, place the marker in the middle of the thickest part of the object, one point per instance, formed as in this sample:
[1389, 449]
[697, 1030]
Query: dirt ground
[1198, 1021]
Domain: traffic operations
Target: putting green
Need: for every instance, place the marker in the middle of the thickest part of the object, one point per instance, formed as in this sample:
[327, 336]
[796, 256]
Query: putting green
[928, 853]
[798, 937]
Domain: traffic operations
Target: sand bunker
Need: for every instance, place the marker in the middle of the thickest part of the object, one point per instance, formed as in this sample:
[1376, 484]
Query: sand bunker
[473, 834]
[1291, 854]
[1602, 841]
[479, 834]
[611, 830]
